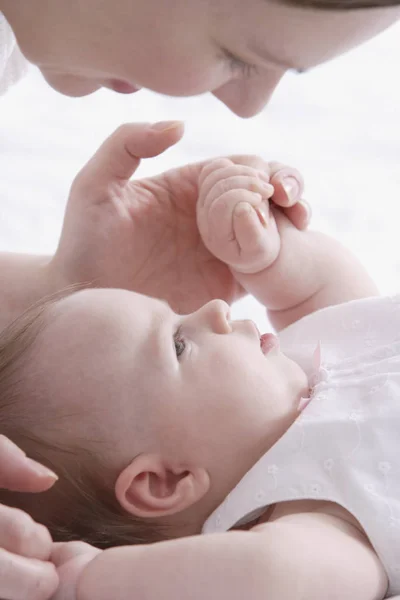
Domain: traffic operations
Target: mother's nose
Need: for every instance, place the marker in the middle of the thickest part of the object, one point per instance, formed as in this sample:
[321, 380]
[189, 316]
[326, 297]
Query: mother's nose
[247, 97]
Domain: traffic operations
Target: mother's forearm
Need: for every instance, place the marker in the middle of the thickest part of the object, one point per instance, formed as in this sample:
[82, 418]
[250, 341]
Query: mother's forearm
[24, 279]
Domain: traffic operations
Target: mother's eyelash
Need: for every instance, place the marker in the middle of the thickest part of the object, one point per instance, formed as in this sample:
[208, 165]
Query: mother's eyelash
[237, 64]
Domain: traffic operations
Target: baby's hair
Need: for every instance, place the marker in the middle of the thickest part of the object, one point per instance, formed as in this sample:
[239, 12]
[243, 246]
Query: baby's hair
[82, 504]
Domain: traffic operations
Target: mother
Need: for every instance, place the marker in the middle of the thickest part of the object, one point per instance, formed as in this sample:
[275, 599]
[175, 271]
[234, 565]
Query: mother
[237, 49]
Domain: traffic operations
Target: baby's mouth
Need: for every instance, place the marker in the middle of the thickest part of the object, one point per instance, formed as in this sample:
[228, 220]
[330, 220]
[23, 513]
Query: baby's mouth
[268, 341]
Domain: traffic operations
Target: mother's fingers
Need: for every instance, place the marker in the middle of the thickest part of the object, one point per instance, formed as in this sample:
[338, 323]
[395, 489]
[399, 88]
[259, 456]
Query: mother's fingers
[288, 189]
[20, 473]
[20, 534]
[288, 184]
[26, 578]
[119, 156]
[299, 214]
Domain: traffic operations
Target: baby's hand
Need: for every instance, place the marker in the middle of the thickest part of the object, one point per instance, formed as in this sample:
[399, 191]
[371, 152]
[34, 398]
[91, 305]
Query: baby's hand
[70, 559]
[235, 212]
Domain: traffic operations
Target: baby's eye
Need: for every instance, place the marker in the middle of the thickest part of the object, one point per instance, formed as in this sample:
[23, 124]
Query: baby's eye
[179, 342]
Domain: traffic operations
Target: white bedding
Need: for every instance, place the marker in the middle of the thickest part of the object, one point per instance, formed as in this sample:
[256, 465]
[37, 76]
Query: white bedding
[340, 124]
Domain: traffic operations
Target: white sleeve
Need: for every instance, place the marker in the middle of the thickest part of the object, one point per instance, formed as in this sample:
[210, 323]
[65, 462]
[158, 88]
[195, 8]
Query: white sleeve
[343, 330]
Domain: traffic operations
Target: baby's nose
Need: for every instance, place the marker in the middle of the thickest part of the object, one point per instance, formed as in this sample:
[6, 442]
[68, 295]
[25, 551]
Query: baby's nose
[217, 316]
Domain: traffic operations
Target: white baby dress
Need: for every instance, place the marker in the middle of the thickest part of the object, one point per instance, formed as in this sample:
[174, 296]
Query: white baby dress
[12, 63]
[345, 445]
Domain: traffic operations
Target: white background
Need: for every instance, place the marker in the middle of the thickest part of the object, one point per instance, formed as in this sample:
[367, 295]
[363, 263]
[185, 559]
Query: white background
[339, 124]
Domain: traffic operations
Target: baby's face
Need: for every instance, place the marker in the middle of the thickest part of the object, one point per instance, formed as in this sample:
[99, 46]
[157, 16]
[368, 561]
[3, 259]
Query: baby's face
[136, 374]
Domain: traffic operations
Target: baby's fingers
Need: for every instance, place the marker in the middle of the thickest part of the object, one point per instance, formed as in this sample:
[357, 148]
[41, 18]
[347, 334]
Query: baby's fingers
[220, 177]
[65, 551]
[256, 235]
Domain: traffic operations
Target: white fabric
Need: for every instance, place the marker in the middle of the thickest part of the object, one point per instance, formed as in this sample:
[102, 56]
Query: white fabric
[13, 65]
[344, 447]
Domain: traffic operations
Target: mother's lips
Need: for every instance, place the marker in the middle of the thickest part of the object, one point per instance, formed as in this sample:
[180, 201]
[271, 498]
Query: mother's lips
[123, 87]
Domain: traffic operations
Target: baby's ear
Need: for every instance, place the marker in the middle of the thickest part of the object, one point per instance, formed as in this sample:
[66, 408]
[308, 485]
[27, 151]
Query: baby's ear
[150, 486]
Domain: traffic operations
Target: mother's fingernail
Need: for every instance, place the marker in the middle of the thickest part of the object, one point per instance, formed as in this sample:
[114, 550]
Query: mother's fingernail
[291, 187]
[163, 126]
[8, 445]
[41, 470]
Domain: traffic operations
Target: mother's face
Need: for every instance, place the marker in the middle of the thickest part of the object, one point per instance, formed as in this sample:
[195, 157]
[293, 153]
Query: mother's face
[236, 49]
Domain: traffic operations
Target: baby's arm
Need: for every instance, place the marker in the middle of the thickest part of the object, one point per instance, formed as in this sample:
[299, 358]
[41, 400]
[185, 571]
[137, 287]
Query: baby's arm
[313, 558]
[292, 272]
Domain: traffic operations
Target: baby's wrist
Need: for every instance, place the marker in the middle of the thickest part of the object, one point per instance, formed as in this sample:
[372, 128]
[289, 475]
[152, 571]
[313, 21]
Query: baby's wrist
[83, 564]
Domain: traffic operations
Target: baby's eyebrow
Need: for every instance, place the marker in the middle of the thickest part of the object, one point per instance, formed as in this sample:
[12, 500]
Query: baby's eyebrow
[161, 333]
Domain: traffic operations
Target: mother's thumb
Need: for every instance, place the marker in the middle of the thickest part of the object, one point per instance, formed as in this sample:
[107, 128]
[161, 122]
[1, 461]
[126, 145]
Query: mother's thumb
[119, 156]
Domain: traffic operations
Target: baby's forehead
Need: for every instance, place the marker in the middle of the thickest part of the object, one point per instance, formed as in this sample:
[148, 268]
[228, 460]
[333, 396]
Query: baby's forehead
[90, 333]
[104, 314]
[104, 306]
[84, 306]
[95, 346]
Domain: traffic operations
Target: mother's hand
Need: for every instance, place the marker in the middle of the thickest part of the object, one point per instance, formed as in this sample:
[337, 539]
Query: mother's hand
[142, 235]
[26, 572]
[19, 473]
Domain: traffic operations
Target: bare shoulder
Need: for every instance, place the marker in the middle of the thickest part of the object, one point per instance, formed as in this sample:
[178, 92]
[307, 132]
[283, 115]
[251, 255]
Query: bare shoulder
[325, 551]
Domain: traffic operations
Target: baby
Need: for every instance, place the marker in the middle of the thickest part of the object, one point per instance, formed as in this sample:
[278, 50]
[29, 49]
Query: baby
[166, 427]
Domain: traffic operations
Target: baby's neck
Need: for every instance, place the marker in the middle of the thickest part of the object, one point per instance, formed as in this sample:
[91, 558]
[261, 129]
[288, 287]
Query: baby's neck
[191, 521]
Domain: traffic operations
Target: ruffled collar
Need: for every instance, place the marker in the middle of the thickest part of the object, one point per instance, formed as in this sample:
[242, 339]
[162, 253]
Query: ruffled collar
[314, 377]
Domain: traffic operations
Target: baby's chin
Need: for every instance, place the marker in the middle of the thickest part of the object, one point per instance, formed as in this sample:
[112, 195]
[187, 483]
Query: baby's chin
[296, 377]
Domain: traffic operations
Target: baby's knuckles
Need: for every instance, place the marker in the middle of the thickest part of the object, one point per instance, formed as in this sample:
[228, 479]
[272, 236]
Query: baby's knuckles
[221, 168]
[224, 186]
[211, 167]
[239, 181]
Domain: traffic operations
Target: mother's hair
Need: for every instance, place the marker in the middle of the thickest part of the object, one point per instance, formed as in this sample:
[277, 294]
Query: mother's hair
[342, 5]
